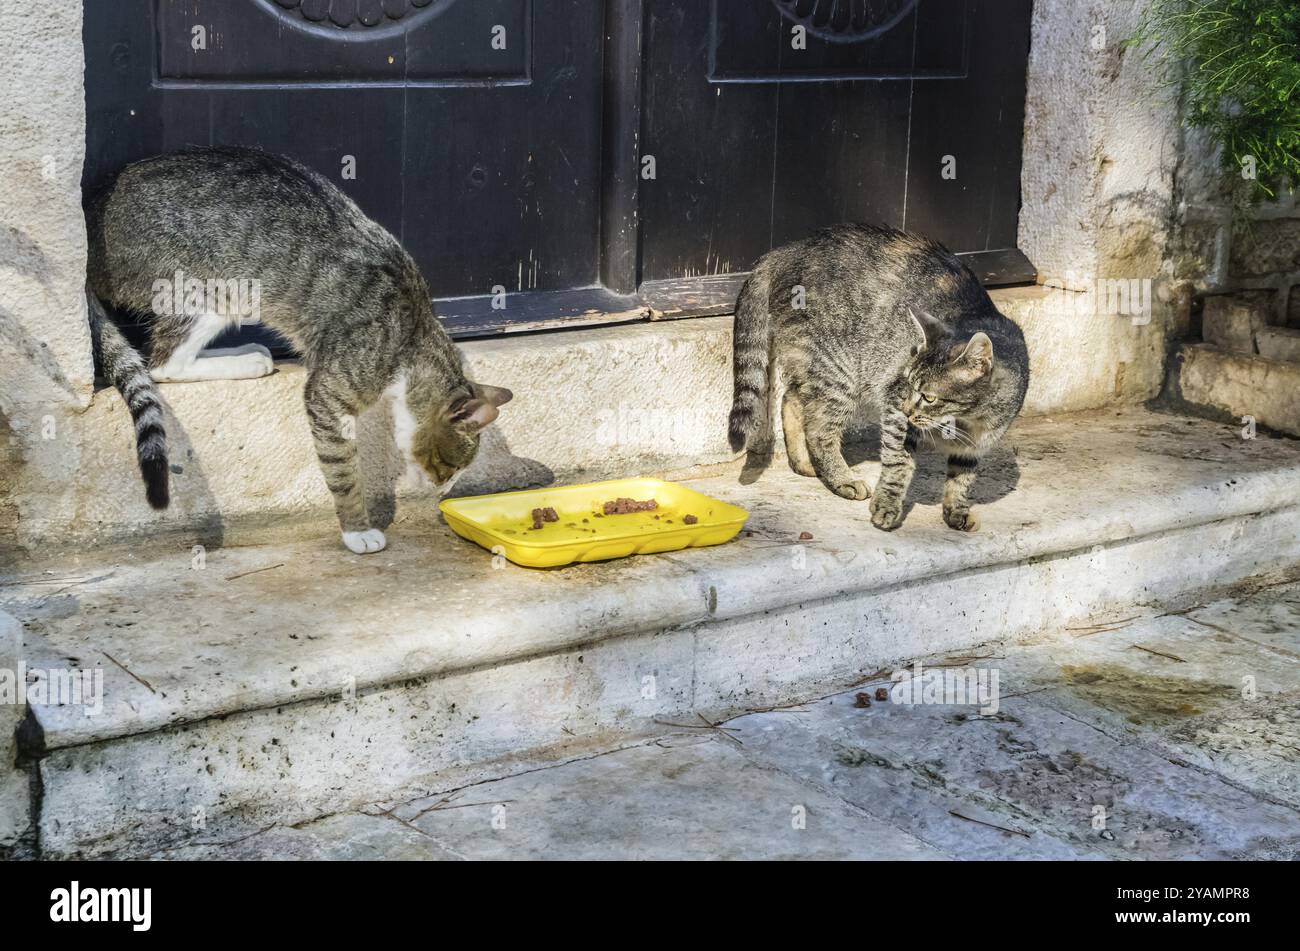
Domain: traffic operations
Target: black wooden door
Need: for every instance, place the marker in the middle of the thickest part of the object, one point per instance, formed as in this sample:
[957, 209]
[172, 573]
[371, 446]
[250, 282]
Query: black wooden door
[769, 118]
[598, 160]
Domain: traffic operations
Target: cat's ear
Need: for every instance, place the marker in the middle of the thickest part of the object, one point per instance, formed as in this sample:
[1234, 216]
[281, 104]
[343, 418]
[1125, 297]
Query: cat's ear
[472, 414]
[928, 330]
[496, 395]
[976, 358]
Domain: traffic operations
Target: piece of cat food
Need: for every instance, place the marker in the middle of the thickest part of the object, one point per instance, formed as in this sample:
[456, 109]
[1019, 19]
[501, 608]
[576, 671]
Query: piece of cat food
[882, 693]
[690, 519]
[805, 536]
[861, 701]
[624, 506]
[541, 516]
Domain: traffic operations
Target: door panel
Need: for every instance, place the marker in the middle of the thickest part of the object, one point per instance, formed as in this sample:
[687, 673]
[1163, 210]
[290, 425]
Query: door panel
[869, 39]
[271, 42]
[981, 124]
[757, 143]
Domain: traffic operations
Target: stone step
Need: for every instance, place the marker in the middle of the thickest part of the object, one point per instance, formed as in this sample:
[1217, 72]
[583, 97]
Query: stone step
[274, 684]
[1247, 388]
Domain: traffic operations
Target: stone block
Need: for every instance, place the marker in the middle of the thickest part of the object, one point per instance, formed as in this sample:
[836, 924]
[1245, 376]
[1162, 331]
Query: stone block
[1279, 343]
[1231, 323]
[1270, 247]
[15, 805]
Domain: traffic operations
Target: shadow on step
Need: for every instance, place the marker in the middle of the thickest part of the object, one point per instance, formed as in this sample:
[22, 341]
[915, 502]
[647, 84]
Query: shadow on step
[999, 472]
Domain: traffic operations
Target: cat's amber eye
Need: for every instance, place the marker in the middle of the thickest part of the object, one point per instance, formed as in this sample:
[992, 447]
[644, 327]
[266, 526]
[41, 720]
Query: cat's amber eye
[929, 397]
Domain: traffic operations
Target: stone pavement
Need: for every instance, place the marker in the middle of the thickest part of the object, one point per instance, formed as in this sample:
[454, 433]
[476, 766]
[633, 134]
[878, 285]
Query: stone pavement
[1170, 736]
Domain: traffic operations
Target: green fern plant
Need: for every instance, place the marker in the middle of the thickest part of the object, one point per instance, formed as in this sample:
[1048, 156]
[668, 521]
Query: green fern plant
[1238, 65]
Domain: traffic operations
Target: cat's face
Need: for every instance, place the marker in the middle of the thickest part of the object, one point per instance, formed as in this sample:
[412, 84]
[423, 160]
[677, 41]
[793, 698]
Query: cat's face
[950, 380]
[447, 440]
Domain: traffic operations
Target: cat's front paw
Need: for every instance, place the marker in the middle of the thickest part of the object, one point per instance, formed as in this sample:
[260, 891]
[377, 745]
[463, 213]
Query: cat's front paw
[962, 521]
[886, 512]
[854, 491]
[365, 543]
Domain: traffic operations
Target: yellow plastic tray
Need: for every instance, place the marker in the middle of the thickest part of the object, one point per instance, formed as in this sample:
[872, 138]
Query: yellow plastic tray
[503, 522]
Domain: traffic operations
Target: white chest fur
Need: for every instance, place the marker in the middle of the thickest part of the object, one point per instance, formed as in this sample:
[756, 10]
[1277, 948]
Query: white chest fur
[404, 433]
[403, 419]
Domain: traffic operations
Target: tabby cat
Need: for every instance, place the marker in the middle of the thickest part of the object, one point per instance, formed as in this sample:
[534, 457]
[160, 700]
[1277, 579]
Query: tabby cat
[181, 229]
[858, 312]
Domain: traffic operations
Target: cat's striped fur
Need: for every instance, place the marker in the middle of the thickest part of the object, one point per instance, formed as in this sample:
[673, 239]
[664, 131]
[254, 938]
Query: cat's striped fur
[855, 313]
[333, 282]
[127, 371]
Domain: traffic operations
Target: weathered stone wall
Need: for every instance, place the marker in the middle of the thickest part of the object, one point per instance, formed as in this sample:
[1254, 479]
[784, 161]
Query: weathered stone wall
[1253, 256]
[45, 361]
[1102, 154]
[1102, 149]
[1265, 260]
[1244, 265]
[15, 804]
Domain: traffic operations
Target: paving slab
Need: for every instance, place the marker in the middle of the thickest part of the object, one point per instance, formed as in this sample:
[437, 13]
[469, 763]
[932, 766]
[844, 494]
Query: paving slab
[1217, 686]
[681, 797]
[1036, 778]
[346, 837]
[677, 798]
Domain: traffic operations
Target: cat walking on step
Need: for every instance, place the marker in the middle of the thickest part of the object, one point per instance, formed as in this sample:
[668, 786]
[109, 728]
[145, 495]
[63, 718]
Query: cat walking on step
[331, 281]
[856, 313]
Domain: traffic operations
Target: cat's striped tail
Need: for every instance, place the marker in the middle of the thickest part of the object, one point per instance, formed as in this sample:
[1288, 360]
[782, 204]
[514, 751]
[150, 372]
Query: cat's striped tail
[751, 348]
[123, 366]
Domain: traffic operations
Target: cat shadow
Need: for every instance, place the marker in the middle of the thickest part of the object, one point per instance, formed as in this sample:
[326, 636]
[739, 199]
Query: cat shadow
[757, 461]
[998, 473]
[206, 529]
[194, 513]
[997, 476]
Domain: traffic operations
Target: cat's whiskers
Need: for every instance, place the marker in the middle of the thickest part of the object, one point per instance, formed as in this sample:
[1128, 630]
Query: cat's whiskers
[953, 433]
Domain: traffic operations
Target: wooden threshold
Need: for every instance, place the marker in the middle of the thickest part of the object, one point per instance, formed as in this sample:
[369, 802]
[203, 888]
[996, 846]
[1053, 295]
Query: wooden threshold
[705, 296]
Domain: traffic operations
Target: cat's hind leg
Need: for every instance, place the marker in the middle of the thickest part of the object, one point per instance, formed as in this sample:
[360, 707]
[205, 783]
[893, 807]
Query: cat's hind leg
[796, 444]
[824, 416]
[179, 357]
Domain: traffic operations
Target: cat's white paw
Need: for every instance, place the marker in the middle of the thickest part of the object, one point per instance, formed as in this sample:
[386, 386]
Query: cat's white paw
[257, 363]
[365, 543]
